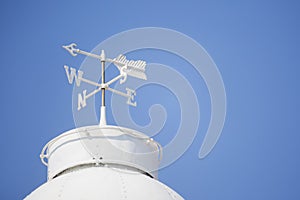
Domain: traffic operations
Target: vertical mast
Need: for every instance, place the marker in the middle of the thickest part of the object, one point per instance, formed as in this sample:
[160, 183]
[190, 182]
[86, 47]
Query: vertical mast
[102, 111]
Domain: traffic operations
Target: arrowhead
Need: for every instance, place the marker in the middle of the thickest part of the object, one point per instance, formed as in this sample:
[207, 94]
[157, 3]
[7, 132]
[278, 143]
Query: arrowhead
[71, 49]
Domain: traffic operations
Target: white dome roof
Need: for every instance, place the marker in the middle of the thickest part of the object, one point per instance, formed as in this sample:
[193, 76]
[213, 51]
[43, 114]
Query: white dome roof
[103, 182]
[107, 162]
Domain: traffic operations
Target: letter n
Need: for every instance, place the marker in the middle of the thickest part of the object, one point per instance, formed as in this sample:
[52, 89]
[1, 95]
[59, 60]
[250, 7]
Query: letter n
[81, 100]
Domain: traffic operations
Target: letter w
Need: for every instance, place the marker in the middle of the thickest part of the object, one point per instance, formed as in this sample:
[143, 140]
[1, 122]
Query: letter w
[71, 75]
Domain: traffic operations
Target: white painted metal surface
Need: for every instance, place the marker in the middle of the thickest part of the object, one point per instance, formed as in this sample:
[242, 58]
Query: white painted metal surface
[108, 162]
[101, 145]
[103, 183]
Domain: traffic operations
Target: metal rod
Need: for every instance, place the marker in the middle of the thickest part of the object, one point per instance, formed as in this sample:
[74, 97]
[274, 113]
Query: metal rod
[92, 93]
[88, 54]
[118, 92]
[114, 79]
[90, 82]
[103, 81]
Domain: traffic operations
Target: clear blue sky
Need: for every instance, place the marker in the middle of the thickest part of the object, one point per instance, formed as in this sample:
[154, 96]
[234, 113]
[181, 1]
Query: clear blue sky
[255, 45]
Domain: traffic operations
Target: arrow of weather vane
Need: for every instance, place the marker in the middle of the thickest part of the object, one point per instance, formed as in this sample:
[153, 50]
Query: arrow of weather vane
[126, 68]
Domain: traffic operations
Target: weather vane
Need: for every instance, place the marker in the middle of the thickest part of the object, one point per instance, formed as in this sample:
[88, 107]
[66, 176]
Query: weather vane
[126, 68]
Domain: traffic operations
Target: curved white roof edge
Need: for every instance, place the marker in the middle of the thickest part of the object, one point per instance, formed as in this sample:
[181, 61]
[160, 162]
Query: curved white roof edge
[106, 145]
[107, 183]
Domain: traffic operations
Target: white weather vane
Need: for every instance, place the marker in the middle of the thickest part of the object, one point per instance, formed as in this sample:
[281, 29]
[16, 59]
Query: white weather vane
[126, 68]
